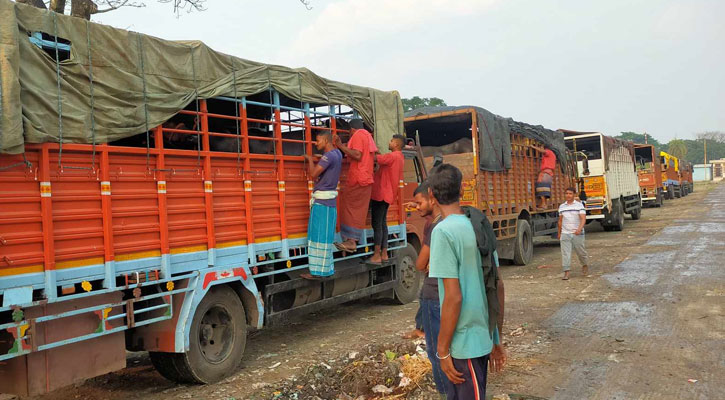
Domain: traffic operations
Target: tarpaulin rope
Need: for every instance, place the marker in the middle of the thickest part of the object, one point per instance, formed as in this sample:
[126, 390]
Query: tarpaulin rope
[139, 44]
[60, 98]
[197, 120]
[236, 111]
[90, 80]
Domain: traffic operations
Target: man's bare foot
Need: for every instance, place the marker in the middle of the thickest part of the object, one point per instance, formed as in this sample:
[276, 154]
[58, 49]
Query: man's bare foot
[375, 259]
[585, 270]
[566, 276]
[348, 245]
[414, 334]
[310, 277]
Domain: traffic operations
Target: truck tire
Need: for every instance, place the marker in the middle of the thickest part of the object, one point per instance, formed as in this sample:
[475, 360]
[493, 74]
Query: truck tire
[636, 213]
[670, 192]
[409, 280]
[660, 199]
[616, 216]
[217, 339]
[524, 245]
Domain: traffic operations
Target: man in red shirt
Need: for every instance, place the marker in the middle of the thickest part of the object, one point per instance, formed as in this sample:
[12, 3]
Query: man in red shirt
[387, 180]
[545, 178]
[355, 197]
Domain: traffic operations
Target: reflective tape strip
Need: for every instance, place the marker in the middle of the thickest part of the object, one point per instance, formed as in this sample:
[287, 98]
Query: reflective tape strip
[247, 186]
[280, 186]
[44, 189]
[207, 187]
[161, 186]
[105, 188]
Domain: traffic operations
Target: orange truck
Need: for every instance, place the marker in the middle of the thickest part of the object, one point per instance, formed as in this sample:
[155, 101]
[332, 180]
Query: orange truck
[160, 242]
[500, 160]
[671, 179]
[650, 175]
[686, 181]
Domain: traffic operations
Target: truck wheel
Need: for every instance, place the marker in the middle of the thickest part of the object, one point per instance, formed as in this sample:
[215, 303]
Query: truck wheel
[670, 192]
[636, 213]
[217, 340]
[524, 245]
[618, 217]
[660, 199]
[410, 280]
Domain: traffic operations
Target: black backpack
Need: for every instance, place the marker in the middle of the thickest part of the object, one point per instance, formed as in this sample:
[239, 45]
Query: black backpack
[486, 242]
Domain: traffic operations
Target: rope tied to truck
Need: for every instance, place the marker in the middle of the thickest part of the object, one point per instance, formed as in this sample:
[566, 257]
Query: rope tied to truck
[197, 118]
[236, 112]
[90, 82]
[60, 95]
[139, 44]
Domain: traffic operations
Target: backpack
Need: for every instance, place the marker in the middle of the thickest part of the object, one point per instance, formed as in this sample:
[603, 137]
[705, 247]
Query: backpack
[486, 242]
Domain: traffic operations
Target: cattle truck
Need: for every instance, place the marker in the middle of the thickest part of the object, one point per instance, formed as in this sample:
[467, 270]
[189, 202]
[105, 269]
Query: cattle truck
[670, 175]
[112, 241]
[500, 160]
[609, 177]
[650, 175]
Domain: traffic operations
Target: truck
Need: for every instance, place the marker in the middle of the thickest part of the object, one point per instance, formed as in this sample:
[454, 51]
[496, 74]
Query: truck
[500, 160]
[671, 176]
[159, 241]
[609, 177]
[649, 171]
[686, 179]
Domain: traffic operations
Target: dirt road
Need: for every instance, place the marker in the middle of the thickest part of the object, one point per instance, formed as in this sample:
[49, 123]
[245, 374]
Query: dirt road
[649, 317]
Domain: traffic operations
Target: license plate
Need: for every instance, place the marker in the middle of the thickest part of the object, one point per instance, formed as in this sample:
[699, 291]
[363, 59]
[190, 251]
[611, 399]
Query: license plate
[595, 212]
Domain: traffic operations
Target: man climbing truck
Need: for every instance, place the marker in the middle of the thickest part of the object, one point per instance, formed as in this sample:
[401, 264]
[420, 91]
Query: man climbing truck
[112, 239]
[607, 168]
[650, 175]
[500, 160]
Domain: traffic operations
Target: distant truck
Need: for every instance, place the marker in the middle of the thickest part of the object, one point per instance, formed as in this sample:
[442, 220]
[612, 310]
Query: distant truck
[686, 179]
[671, 176]
[608, 176]
[462, 136]
[649, 171]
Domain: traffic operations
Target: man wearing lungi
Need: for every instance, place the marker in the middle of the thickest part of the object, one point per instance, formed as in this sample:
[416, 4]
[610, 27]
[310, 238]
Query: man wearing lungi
[355, 201]
[545, 178]
[385, 190]
[323, 211]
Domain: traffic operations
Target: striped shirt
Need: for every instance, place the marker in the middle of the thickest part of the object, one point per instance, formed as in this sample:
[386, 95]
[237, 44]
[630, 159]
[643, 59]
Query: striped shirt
[570, 216]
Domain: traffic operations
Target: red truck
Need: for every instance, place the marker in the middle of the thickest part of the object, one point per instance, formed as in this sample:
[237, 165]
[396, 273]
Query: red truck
[649, 171]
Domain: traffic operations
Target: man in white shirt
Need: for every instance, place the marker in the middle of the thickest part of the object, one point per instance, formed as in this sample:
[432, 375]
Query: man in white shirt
[572, 218]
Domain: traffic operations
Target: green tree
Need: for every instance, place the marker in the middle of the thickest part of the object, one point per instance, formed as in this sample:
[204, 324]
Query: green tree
[678, 148]
[418, 102]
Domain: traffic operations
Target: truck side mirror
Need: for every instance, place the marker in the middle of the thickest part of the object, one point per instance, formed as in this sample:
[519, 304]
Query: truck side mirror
[437, 160]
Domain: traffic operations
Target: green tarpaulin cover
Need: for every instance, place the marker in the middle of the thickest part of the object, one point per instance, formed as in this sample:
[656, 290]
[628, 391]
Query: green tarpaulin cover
[123, 66]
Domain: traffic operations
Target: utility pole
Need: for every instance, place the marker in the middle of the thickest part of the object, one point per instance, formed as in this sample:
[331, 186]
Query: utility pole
[704, 141]
[645, 138]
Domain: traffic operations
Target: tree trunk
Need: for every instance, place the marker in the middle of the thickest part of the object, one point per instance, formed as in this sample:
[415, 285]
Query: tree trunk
[34, 3]
[83, 8]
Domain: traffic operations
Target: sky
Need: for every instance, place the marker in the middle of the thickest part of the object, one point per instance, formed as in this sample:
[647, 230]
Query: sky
[655, 66]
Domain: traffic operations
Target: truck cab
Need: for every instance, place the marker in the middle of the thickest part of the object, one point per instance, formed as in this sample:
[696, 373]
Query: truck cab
[607, 173]
[670, 175]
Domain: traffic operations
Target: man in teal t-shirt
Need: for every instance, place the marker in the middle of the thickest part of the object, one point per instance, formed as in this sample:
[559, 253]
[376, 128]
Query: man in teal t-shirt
[464, 343]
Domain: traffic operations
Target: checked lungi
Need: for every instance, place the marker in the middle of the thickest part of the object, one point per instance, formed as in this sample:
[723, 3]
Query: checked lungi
[354, 206]
[543, 183]
[320, 236]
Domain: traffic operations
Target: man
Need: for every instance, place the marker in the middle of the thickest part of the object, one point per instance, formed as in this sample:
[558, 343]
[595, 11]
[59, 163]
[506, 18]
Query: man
[360, 149]
[572, 218]
[323, 211]
[545, 178]
[465, 345]
[430, 308]
[385, 189]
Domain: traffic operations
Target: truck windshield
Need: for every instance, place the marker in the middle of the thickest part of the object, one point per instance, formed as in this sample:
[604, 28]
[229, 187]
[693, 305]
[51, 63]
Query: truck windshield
[643, 156]
[589, 146]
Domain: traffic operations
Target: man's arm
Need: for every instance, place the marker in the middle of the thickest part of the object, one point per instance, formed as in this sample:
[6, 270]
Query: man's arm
[352, 153]
[582, 222]
[421, 264]
[313, 170]
[561, 217]
[498, 354]
[450, 310]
